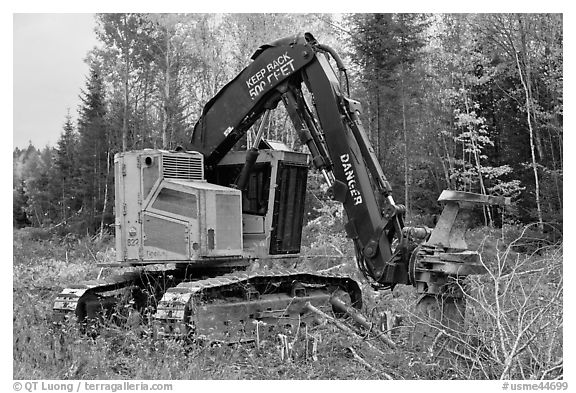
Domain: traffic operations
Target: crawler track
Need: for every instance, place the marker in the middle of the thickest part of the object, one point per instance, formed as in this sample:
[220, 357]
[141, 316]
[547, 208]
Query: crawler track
[231, 307]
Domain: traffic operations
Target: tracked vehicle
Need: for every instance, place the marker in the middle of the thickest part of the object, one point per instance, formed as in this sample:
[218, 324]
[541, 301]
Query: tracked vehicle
[225, 225]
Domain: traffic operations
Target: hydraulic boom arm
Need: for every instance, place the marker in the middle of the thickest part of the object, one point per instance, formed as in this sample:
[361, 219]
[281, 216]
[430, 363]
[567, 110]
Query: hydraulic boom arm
[335, 137]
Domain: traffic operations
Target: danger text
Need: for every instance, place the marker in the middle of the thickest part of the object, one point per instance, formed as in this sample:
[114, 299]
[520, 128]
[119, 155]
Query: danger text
[350, 179]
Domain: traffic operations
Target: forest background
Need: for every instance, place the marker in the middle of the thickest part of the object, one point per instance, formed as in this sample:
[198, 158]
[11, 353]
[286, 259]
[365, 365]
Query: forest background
[468, 102]
[451, 101]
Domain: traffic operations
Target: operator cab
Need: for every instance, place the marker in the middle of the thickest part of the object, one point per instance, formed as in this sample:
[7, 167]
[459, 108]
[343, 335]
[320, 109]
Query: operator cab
[272, 200]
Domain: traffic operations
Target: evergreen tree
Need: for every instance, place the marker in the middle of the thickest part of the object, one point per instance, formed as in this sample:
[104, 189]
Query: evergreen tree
[36, 174]
[19, 203]
[93, 152]
[67, 173]
[387, 46]
[20, 199]
[450, 101]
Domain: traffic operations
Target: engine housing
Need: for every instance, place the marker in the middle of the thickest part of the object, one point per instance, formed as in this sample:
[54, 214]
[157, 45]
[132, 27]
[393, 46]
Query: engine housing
[166, 212]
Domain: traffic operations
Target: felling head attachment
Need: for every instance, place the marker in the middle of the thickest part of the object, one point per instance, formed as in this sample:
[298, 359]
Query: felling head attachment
[455, 219]
[438, 264]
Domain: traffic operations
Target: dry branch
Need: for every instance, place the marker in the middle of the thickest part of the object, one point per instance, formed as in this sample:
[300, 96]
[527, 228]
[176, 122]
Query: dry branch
[366, 364]
[358, 318]
[340, 326]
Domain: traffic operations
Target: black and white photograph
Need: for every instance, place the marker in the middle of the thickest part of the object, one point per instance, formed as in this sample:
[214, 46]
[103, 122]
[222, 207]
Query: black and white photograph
[291, 196]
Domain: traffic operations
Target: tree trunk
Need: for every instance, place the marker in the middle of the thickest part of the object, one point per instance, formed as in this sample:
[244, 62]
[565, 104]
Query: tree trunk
[105, 207]
[450, 168]
[63, 204]
[377, 131]
[146, 125]
[405, 134]
[165, 120]
[126, 76]
[528, 84]
[532, 148]
[555, 167]
[486, 209]
[445, 169]
[95, 188]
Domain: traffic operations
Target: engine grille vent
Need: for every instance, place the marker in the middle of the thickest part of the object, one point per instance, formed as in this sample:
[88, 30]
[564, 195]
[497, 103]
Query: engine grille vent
[186, 166]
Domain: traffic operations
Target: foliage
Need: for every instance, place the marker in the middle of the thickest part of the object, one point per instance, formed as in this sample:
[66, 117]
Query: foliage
[19, 202]
[526, 310]
[444, 100]
[514, 314]
[35, 180]
[386, 50]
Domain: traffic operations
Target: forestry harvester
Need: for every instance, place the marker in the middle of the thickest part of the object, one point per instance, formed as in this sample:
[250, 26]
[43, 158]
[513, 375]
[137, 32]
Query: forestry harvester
[207, 214]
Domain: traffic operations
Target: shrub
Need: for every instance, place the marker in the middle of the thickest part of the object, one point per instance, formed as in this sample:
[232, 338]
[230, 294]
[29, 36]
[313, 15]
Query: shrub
[514, 318]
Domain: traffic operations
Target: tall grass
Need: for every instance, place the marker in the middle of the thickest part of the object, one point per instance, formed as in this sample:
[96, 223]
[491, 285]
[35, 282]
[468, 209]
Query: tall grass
[514, 314]
[41, 350]
[513, 326]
